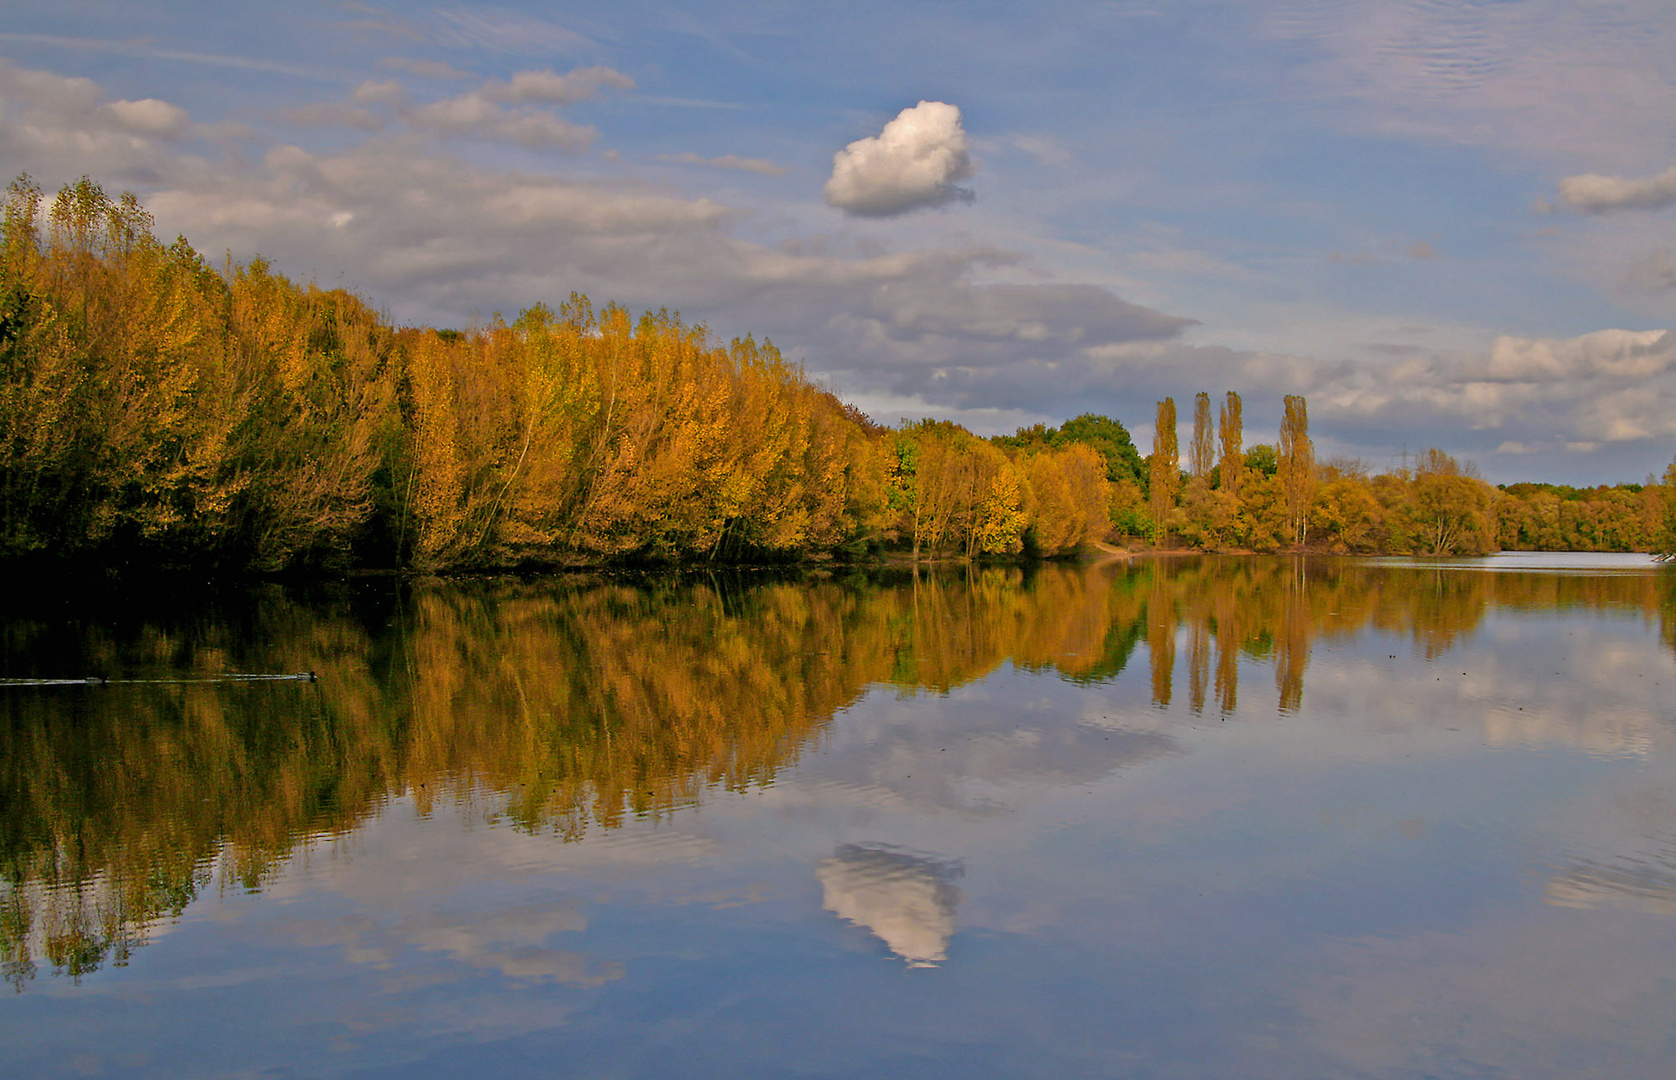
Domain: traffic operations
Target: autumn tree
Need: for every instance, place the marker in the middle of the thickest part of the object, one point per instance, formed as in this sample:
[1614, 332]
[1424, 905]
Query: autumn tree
[1297, 466]
[1165, 468]
[1202, 454]
[1666, 544]
[1068, 499]
[1451, 507]
[1231, 427]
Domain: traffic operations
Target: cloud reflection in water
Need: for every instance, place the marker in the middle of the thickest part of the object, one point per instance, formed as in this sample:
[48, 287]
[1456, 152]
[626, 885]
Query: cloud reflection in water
[906, 899]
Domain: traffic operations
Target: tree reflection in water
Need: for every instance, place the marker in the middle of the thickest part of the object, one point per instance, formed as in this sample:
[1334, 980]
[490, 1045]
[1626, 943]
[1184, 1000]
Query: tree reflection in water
[579, 704]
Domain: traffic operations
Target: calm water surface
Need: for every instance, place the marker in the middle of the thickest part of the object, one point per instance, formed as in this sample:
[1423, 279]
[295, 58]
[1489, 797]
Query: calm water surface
[1197, 818]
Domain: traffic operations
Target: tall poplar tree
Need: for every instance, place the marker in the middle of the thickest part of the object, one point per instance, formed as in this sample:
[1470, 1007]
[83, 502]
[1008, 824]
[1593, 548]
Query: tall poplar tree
[1297, 466]
[1665, 546]
[1232, 429]
[1202, 454]
[1166, 467]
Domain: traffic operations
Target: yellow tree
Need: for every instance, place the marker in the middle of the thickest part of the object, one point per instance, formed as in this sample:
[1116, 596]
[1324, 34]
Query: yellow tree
[1166, 467]
[1297, 466]
[1666, 544]
[1201, 456]
[1451, 507]
[1232, 430]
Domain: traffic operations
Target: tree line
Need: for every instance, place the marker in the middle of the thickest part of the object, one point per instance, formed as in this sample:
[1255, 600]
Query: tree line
[1277, 497]
[156, 410]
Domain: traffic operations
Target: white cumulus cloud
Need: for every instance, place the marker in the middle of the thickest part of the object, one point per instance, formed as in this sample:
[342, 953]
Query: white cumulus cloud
[1597, 194]
[917, 160]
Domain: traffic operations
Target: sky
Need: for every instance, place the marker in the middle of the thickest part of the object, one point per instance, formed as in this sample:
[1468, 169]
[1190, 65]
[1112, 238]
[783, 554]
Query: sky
[1447, 223]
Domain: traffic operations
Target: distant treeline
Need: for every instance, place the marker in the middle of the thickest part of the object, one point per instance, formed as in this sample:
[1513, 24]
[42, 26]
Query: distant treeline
[158, 411]
[1269, 498]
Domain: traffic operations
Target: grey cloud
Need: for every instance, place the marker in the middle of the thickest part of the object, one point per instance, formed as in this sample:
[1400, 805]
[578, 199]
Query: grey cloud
[1597, 194]
[475, 116]
[335, 114]
[915, 162]
[906, 899]
[1608, 386]
[1654, 272]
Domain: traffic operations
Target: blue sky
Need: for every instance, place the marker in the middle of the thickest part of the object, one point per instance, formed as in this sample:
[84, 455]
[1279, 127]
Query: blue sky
[1447, 224]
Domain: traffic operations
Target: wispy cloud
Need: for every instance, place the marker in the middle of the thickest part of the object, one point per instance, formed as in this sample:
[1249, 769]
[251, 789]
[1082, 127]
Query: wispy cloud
[502, 30]
[149, 51]
[512, 110]
[727, 161]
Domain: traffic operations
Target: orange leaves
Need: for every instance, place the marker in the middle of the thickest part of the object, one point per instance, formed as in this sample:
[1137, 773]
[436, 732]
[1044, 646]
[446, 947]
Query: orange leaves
[1070, 498]
[590, 436]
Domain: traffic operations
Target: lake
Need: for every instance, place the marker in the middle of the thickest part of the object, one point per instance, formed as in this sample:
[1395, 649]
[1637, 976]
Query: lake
[1195, 817]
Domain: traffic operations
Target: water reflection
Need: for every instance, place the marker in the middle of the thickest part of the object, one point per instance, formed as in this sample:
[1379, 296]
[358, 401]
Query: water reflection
[906, 899]
[570, 707]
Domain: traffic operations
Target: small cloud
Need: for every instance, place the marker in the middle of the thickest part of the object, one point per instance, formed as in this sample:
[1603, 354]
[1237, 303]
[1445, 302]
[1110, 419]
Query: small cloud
[1511, 447]
[1420, 249]
[149, 116]
[914, 162]
[1593, 193]
[388, 92]
[425, 69]
[551, 87]
[1582, 447]
[727, 161]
